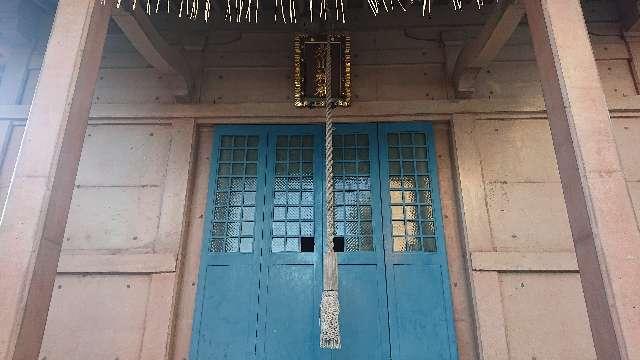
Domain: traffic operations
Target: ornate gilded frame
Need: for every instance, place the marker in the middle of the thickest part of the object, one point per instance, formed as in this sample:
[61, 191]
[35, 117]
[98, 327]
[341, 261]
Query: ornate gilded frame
[300, 99]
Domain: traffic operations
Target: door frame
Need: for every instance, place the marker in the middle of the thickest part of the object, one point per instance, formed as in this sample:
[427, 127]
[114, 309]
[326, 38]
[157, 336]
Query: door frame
[261, 232]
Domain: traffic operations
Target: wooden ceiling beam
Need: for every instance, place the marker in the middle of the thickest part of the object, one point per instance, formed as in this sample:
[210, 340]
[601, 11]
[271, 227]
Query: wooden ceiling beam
[479, 52]
[137, 27]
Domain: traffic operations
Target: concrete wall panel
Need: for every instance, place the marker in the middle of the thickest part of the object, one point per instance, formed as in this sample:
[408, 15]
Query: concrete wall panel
[134, 86]
[96, 317]
[627, 134]
[124, 155]
[260, 41]
[616, 78]
[370, 83]
[113, 218]
[529, 217]
[399, 82]
[522, 182]
[509, 79]
[527, 295]
[239, 85]
[117, 275]
[398, 39]
[514, 73]
[516, 151]
[120, 187]
[546, 317]
[124, 60]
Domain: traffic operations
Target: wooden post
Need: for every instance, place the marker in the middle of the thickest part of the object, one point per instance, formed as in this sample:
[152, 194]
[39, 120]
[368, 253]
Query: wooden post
[603, 225]
[35, 214]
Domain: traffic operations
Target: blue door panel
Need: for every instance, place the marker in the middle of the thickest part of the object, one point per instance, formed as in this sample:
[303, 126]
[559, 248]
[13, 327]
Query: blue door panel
[291, 313]
[420, 309]
[363, 293]
[228, 326]
[364, 331]
[421, 324]
[294, 213]
[225, 322]
[259, 285]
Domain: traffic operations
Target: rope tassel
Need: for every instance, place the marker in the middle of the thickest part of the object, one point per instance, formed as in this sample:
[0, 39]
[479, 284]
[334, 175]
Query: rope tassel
[330, 320]
[330, 304]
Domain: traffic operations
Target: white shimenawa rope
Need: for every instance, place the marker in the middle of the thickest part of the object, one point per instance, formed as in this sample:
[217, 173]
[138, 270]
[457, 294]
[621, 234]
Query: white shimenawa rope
[330, 304]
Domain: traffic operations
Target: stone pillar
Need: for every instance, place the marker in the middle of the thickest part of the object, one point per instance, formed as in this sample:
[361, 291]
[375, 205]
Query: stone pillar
[35, 214]
[603, 225]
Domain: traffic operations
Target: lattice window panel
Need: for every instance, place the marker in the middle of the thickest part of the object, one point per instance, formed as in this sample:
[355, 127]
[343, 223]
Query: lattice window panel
[352, 185]
[235, 197]
[293, 196]
[413, 223]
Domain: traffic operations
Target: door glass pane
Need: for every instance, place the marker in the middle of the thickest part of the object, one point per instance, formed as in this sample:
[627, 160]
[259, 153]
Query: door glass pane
[235, 195]
[293, 193]
[412, 219]
[352, 186]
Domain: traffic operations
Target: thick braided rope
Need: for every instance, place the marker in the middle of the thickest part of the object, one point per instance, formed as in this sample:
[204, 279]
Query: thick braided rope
[329, 151]
[330, 304]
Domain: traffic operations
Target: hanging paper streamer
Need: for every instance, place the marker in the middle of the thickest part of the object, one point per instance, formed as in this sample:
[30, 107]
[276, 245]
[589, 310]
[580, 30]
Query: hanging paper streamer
[285, 11]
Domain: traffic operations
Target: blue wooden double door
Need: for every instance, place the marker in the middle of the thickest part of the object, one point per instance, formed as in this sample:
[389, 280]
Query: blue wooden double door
[260, 277]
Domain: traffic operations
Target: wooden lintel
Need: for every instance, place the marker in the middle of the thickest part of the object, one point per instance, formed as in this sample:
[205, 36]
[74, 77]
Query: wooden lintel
[151, 45]
[434, 110]
[479, 53]
[117, 263]
[524, 261]
[630, 14]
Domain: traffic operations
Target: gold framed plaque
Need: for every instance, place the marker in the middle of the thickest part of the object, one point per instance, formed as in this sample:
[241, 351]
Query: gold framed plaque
[309, 75]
